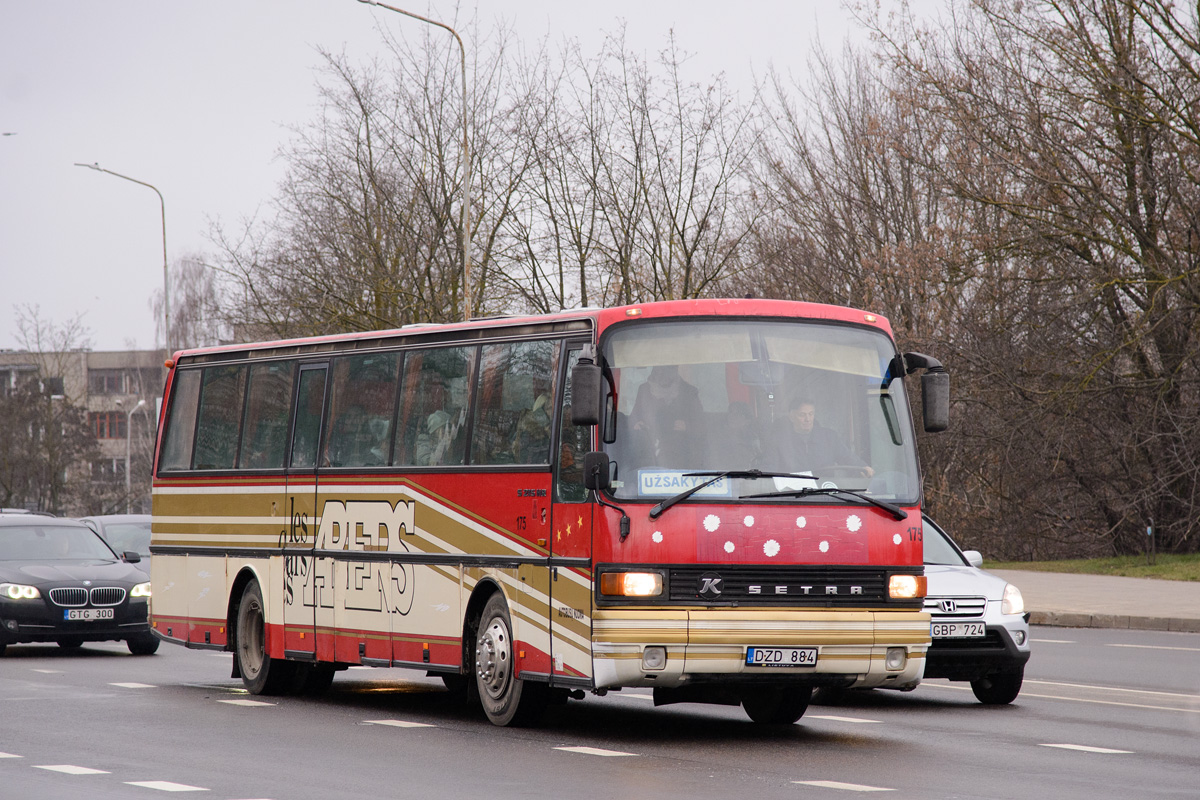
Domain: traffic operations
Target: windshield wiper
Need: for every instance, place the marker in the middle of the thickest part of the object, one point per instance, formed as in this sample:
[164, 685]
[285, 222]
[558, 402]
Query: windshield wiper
[894, 510]
[749, 474]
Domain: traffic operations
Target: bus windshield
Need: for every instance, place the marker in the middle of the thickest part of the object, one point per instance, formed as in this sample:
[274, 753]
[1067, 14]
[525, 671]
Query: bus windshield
[814, 401]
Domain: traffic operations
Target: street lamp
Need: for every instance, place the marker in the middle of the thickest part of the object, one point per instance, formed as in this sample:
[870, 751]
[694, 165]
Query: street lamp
[166, 286]
[128, 437]
[466, 209]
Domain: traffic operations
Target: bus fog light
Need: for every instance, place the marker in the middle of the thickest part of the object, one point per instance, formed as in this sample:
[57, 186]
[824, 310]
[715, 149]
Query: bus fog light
[896, 658]
[654, 658]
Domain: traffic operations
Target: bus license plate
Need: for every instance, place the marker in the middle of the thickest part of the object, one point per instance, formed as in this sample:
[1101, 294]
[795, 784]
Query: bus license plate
[958, 630]
[88, 614]
[781, 657]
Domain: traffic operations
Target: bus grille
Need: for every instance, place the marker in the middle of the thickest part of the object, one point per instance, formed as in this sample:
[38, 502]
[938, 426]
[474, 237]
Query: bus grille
[809, 586]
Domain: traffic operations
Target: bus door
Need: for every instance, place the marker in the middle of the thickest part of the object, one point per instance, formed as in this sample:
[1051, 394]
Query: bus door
[303, 589]
[570, 545]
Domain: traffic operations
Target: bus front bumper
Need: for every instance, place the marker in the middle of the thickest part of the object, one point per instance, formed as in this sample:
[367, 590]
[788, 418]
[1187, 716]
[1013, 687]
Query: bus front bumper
[674, 647]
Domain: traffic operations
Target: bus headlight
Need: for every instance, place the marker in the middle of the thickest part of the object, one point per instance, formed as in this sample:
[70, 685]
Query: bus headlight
[1013, 602]
[631, 584]
[906, 587]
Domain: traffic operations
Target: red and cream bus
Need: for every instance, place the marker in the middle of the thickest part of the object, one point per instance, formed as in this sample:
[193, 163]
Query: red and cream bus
[717, 499]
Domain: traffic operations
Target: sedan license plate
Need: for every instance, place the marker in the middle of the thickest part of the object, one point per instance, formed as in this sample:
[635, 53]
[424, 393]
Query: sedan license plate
[87, 614]
[958, 630]
[781, 656]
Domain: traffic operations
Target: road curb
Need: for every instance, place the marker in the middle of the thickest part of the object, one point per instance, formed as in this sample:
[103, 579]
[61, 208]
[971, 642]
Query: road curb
[1071, 619]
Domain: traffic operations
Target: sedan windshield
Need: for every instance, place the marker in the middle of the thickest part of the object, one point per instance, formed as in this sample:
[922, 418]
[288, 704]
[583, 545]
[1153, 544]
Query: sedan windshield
[815, 404]
[52, 543]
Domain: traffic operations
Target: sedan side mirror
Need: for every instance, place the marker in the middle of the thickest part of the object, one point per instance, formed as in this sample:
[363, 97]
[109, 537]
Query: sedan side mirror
[131, 556]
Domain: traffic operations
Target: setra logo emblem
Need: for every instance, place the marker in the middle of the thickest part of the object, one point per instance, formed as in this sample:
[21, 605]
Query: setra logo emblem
[709, 586]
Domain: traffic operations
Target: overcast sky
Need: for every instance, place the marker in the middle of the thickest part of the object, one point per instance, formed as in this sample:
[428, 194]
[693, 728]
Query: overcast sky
[197, 96]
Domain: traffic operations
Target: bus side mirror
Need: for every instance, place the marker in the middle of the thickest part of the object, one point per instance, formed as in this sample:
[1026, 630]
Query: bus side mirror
[935, 390]
[597, 471]
[586, 396]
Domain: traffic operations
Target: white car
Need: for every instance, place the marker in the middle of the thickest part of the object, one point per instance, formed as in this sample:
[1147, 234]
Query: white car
[980, 628]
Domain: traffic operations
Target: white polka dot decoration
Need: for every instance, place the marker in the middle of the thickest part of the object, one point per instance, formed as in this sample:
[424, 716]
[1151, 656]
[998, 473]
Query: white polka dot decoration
[771, 548]
[824, 547]
[748, 521]
[711, 523]
[801, 522]
[853, 523]
[657, 537]
[897, 539]
[729, 548]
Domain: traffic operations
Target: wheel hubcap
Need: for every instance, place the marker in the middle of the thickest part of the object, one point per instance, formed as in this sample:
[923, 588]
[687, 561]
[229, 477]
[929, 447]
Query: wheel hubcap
[493, 658]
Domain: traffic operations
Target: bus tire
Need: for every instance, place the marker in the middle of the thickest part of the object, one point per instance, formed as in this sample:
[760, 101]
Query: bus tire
[506, 699]
[261, 674]
[780, 705]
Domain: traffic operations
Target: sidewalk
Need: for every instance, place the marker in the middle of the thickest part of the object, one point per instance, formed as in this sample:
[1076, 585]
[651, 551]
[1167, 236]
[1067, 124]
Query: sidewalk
[1102, 601]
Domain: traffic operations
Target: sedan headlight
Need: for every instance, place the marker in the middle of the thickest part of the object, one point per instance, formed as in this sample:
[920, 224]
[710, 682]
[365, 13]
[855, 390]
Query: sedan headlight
[1013, 602]
[19, 591]
[141, 590]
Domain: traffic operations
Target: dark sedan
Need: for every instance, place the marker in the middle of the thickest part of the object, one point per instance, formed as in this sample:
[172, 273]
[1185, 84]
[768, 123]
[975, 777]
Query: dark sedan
[60, 582]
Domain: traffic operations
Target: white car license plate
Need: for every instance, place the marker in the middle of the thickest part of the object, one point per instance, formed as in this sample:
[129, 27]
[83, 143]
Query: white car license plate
[958, 630]
[87, 614]
[781, 656]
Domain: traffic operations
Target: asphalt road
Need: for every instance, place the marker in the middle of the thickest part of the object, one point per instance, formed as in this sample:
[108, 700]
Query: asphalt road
[1104, 713]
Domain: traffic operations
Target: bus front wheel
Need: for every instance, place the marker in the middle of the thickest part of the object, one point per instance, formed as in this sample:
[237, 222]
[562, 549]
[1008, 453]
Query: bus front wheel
[260, 673]
[506, 699]
[777, 705]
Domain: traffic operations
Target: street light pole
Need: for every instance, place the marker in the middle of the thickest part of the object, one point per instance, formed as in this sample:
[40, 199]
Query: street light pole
[128, 438]
[166, 285]
[466, 209]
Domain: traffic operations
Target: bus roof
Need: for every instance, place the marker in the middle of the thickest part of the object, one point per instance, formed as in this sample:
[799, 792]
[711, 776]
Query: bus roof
[600, 318]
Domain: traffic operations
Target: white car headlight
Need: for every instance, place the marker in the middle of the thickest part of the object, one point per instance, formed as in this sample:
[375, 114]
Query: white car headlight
[17, 591]
[1013, 602]
[141, 590]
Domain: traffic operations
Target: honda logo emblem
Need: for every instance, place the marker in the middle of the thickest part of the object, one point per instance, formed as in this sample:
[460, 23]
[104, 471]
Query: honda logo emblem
[948, 606]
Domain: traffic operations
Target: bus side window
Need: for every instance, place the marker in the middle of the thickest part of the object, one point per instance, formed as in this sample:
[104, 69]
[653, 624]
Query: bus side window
[268, 405]
[181, 424]
[221, 397]
[434, 394]
[360, 418]
[573, 443]
[514, 403]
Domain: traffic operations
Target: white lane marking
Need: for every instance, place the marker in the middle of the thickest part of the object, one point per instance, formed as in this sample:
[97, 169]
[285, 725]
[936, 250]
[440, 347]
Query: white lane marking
[361, 667]
[134, 685]
[859, 720]
[594, 751]
[1054, 641]
[247, 703]
[9, 755]
[166, 786]
[399, 723]
[1116, 689]
[1086, 749]
[49, 671]
[849, 787]
[1186, 697]
[1157, 647]
[71, 769]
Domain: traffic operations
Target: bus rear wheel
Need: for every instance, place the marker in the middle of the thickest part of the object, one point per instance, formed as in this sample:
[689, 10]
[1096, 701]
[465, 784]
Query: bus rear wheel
[506, 699]
[261, 674]
[777, 705]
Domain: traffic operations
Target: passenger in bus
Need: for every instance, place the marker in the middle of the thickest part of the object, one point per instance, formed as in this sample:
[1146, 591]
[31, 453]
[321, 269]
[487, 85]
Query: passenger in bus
[668, 413]
[434, 441]
[531, 441]
[802, 444]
